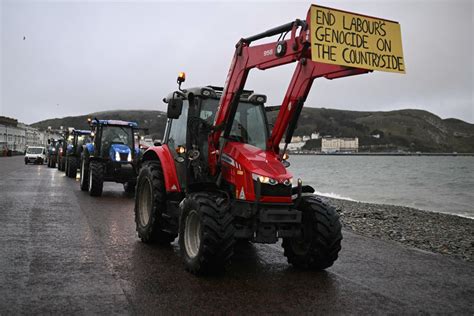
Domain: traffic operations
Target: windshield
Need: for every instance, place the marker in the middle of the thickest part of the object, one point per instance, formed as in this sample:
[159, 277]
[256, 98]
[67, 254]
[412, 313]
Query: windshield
[34, 150]
[249, 124]
[117, 135]
[83, 139]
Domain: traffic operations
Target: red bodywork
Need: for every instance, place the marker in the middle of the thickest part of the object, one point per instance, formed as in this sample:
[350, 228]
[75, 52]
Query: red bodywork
[169, 169]
[245, 160]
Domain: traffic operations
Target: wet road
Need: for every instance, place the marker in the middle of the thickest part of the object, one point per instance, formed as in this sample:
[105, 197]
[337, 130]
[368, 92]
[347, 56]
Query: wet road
[62, 251]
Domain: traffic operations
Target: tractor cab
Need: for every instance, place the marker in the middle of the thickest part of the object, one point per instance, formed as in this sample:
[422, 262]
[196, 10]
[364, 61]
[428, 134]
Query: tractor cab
[52, 154]
[191, 114]
[114, 140]
[76, 140]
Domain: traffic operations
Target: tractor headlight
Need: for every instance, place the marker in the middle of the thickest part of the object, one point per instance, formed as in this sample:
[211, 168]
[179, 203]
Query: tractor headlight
[129, 157]
[288, 182]
[117, 156]
[264, 179]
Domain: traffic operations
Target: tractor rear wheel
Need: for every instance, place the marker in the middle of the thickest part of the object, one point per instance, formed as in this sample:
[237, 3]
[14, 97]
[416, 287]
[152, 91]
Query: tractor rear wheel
[84, 175]
[96, 178]
[150, 204]
[206, 233]
[320, 243]
[71, 171]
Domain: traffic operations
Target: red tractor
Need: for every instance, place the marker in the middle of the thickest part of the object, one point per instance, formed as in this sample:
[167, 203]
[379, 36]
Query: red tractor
[220, 175]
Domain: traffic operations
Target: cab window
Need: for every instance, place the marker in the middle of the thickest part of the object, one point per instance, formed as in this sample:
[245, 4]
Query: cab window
[177, 135]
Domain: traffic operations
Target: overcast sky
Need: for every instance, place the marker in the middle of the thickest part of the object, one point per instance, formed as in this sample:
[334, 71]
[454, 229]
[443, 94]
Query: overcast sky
[76, 57]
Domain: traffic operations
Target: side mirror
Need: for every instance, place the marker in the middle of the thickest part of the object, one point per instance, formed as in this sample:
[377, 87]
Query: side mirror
[175, 107]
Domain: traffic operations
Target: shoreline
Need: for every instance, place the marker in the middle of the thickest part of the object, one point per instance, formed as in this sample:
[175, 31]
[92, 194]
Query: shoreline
[381, 154]
[442, 233]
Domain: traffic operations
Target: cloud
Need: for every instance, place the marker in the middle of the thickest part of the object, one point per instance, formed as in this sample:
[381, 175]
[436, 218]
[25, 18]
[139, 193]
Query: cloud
[81, 57]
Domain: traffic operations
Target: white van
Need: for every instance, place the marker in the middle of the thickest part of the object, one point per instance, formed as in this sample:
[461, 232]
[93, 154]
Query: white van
[35, 155]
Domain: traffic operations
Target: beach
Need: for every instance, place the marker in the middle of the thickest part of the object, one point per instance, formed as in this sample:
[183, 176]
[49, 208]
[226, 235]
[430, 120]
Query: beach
[446, 234]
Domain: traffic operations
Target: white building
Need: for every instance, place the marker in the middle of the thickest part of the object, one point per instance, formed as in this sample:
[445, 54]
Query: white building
[17, 137]
[12, 135]
[296, 139]
[314, 135]
[331, 145]
[295, 146]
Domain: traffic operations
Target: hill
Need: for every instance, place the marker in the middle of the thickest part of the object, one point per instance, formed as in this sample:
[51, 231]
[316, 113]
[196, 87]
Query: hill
[409, 130]
[154, 121]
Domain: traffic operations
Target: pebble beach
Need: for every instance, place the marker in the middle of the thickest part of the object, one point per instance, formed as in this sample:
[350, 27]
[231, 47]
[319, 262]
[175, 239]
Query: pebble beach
[446, 234]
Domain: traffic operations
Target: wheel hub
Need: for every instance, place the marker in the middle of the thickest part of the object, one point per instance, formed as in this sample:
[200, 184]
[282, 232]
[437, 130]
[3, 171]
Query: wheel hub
[192, 234]
[145, 203]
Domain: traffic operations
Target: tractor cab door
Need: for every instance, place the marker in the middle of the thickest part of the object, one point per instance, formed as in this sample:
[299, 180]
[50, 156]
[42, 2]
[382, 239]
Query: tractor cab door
[175, 138]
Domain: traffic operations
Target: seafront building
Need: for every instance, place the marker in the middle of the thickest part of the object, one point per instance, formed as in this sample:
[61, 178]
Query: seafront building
[325, 144]
[16, 136]
[344, 145]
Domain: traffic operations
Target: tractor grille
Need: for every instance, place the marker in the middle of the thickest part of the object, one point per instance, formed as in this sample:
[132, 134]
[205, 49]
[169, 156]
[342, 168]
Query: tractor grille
[123, 157]
[273, 190]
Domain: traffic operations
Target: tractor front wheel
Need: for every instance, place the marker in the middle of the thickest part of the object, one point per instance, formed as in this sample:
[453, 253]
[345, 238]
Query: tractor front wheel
[206, 233]
[71, 171]
[63, 164]
[150, 204]
[96, 178]
[84, 175]
[319, 245]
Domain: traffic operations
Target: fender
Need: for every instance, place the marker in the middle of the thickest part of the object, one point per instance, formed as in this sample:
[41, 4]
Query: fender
[163, 154]
[90, 148]
[69, 149]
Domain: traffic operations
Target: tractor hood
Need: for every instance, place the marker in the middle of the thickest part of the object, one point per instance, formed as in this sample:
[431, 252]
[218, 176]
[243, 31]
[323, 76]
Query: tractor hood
[255, 160]
[69, 148]
[120, 152]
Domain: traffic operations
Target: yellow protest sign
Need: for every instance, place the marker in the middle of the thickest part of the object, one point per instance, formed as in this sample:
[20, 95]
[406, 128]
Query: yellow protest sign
[354, 40]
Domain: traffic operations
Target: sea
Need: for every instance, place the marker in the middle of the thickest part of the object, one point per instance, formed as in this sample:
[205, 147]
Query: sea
[433, 183]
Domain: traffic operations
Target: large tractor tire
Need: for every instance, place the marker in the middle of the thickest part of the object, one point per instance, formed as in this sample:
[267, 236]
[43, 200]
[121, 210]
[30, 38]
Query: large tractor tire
[63, 164]
[320, 243]
[129, 187]
[72, 166]
[96, 178]
[206, 233]
[84, 178]
[150, 203]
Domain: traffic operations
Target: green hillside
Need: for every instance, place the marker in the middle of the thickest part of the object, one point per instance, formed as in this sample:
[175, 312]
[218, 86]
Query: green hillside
[409, 130]
[154, 121]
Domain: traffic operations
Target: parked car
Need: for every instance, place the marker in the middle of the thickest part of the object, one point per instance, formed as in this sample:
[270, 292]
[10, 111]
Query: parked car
[35, 155]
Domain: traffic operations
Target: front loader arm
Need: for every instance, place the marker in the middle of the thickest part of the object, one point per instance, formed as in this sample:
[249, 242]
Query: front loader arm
[265, 56]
